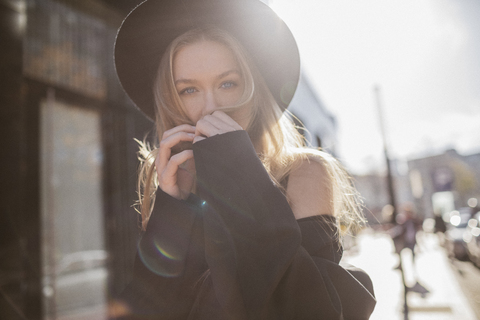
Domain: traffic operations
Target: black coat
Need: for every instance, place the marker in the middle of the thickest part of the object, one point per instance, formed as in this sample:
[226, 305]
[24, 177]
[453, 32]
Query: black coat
[235, 251]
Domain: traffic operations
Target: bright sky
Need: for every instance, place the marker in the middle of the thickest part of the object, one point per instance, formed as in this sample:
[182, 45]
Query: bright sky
[423, 54]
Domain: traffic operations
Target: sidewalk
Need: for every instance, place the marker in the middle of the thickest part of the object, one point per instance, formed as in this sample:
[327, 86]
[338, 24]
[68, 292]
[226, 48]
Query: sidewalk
[375, 254]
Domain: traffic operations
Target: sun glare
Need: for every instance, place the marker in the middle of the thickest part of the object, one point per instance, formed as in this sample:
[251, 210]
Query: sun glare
[420, 53]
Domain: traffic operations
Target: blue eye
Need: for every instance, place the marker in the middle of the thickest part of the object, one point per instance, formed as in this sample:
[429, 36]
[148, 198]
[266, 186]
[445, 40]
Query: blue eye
[228, 85]
[189, 90]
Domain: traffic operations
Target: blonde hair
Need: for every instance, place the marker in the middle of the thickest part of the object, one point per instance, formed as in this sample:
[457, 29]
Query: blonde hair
[279, 145]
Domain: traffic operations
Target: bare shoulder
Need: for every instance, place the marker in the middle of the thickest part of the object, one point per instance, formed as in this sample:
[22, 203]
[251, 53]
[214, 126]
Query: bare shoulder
[309, 189]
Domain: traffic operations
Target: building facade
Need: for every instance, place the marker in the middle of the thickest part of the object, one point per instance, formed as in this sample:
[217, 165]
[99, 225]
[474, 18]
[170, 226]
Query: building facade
[435, 185]
[444, 176]
[67, 227]
[320, 124]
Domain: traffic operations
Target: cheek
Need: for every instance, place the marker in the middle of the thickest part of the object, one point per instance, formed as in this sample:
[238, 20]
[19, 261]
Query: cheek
[229, 98]
[242, 116]
[193, 108]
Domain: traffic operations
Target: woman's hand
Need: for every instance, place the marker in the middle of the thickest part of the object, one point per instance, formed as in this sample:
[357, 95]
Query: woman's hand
[216, 123]
[176, 173]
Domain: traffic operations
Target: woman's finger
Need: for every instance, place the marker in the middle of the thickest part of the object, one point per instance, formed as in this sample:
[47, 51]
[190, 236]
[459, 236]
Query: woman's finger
[227, 119]
[181, 128]
[168, 176]
[198, 138]
[206, 129]
[166, 145]
[216, 123]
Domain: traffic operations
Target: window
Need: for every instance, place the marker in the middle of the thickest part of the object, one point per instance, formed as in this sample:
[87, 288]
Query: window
[73, 246]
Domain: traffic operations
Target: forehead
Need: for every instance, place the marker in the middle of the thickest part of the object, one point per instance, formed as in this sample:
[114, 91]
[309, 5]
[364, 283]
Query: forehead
[204, 57]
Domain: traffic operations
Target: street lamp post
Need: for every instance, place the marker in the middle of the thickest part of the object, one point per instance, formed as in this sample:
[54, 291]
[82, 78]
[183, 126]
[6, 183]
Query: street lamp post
[391, 192]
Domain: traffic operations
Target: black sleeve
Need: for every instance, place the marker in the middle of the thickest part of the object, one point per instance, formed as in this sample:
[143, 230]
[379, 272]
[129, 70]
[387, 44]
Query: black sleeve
[237, 252]
[163, 287]
[253, 244]
[353, 285]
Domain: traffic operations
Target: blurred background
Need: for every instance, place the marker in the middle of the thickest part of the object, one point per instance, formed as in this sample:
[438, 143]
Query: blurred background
[389, 88]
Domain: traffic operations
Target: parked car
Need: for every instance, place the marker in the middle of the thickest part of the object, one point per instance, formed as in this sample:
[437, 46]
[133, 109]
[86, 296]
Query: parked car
[455, 239]
[78, 286]
[472, 237]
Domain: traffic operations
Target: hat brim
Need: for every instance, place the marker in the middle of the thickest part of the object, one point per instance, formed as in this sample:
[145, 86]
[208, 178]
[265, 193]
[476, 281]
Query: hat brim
[148, 29]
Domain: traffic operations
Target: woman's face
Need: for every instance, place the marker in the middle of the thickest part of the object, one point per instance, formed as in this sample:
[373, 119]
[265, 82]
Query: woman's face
[207, 77]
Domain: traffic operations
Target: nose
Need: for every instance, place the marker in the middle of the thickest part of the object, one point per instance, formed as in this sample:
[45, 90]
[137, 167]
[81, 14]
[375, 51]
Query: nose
[210, 103]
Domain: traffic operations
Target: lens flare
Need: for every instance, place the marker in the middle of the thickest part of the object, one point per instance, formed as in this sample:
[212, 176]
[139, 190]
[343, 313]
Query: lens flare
[159, 258]
[165, 253]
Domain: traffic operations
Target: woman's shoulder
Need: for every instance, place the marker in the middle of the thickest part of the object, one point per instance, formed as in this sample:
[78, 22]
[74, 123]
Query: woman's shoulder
[309, 189]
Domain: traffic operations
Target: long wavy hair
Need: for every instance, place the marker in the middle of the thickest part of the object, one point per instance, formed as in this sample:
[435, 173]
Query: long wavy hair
[278, 144]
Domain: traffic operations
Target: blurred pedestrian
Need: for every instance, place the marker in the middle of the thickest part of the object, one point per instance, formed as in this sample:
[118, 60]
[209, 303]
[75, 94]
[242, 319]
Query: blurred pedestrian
[411, 225]
[404, 236]
[474, 209]
[241, 220]
[440, 225]
[408, 224]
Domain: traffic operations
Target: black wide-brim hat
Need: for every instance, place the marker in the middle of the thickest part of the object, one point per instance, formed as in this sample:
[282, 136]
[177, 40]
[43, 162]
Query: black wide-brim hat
[149, 28]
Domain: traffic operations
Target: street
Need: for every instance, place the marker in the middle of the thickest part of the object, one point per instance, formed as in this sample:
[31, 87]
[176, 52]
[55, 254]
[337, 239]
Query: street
[453, 286]
[468, 276]
[448, 286]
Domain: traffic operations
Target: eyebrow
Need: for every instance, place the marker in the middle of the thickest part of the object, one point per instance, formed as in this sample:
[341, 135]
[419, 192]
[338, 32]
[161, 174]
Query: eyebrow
[220, 76]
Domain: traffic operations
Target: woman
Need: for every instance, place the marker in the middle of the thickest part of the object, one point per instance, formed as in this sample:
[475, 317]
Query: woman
[241, 220]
